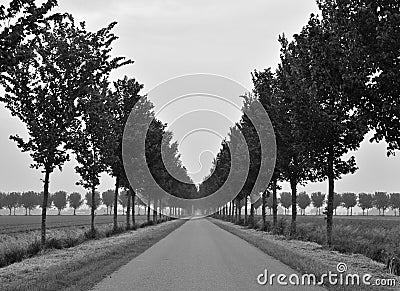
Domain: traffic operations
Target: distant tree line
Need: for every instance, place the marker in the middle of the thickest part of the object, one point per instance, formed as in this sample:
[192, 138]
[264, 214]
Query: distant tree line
[61, 200]
[379, 200]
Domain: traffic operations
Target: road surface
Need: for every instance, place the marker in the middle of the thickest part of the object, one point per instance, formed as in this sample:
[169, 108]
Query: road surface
[198, 256]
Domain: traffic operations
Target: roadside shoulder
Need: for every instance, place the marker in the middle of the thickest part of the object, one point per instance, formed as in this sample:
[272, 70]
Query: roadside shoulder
[311, 258]
[80, 267]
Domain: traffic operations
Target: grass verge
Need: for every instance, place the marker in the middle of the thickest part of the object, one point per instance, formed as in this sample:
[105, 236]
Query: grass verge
[309, 257]
[82, 266]
[25, 245]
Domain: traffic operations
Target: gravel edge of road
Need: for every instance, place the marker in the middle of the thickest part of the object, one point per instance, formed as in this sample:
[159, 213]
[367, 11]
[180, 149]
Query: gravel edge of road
[82, 266]
[308, 257]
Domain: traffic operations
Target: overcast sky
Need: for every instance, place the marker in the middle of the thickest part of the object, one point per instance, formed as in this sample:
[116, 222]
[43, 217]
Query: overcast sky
[170, 38]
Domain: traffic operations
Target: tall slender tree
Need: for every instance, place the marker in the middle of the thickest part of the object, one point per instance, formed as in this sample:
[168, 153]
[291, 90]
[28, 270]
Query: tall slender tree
[65, 63]
[91, 141]
[335, 125]
[123, 97]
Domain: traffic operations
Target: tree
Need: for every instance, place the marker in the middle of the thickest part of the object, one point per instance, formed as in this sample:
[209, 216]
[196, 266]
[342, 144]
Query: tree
[97, 200]
[42, 91]
[349, 200]
[12, 201]
[93, 139]
[337, 201]
[365, 201]
[395, 202]
[286, 200]
[75, 201]
[294, 151]
[16, 199]
[89, 143]
[381, 201]
[108, 199]
[29, 200]
[266, 88]
[124, 97]
[60, 200]
[335, 125]
[303, 200]
[318, 200]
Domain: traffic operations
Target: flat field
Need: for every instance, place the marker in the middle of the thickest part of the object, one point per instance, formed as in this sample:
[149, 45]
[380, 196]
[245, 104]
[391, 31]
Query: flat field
[20, 235]
[21, 223]
[376, 237]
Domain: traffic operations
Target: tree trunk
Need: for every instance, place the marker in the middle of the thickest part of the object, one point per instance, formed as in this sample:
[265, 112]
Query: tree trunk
[274, 204]
[331, 189]
[159, 213]
[148, 213]
[155, 211]
[44, 207]
[133, 194]
[59, 211]
[245, 210]
[128, 210]
[264, 194]
[92, 229]
[115, 227]
[74, 211]
[239, 206]
[231, 211]
[148, 210]
[293, 186]
[251, 220]
[236, 210]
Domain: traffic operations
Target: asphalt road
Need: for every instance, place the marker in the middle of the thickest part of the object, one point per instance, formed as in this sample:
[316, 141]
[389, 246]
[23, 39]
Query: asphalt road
[199, 256]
